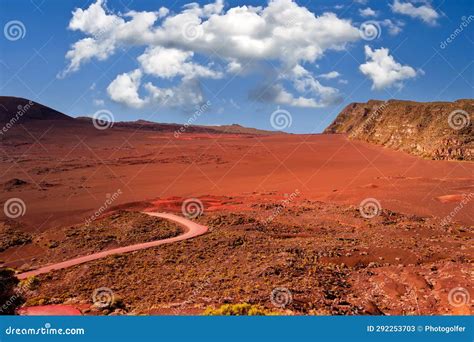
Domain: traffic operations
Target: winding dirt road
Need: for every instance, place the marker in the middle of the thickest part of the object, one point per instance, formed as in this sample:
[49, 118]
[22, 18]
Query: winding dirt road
[192, 229]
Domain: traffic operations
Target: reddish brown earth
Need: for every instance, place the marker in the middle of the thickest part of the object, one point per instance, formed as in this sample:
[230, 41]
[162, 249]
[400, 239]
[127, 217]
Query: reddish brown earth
[318, 246]
[191, 229]
[49, 310]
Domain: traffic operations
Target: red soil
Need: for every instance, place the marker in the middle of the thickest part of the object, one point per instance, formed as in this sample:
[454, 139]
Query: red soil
[192, 229]
[49, 310]
[70, 170]
[147, 165]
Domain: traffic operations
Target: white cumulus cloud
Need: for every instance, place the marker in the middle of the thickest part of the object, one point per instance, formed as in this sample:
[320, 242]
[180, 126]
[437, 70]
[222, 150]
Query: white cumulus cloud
[383, 70]
[282, 31]
[367, 12]
[124, 89]
[330, 75]
[424, 12]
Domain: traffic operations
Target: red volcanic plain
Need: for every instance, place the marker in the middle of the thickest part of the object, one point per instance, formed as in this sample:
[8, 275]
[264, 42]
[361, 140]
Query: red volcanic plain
[78, 183]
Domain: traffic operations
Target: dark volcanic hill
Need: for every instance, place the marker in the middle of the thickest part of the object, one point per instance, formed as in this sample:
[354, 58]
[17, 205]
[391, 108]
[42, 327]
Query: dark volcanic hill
[435, 130]
[19, 110]
[16, 109]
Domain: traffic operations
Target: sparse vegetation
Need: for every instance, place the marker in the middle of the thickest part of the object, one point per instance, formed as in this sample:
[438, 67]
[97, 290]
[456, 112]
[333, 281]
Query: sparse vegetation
[241, 309]
[12, 235]
[9, 298]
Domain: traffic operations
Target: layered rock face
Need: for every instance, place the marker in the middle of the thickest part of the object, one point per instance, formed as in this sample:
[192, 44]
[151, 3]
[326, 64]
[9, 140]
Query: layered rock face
[435, 130]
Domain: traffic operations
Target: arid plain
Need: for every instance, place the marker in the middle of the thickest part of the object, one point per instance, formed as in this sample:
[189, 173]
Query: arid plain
[283, 211]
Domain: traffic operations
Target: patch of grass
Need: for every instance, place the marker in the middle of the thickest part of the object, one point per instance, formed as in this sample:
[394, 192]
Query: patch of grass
[31, 283]
[241, 309]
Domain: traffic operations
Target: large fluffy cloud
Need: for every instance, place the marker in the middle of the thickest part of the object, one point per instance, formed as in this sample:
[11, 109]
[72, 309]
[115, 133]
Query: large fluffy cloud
[282, 31]
[424, 12]
[124, 89]
[169, 63]
[383, 70]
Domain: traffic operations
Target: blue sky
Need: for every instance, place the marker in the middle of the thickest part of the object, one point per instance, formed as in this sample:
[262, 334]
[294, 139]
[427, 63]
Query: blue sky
[310, 58]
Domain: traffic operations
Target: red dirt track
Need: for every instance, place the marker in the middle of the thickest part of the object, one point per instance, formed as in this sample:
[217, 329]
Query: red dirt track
[192, 230]
[49, 310]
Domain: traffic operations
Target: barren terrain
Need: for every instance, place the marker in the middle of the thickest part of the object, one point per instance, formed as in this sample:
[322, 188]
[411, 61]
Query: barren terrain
[282, 211]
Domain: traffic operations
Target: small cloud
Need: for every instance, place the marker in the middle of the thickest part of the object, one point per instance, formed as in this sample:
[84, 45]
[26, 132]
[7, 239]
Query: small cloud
[330, 75]
[394, 28]
[383, 70]
[342, 81]
[367, 12]
[99, 102]
[424, 12]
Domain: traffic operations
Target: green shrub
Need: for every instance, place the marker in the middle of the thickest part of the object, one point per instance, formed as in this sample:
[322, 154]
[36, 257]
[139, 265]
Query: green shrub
[241, 309]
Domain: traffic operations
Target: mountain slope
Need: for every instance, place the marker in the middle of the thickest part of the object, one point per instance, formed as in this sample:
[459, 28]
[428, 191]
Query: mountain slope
[435, 130]
[17, 109]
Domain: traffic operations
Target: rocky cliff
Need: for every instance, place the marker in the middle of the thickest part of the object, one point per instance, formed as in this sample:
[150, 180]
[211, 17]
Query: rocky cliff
[435, 130]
